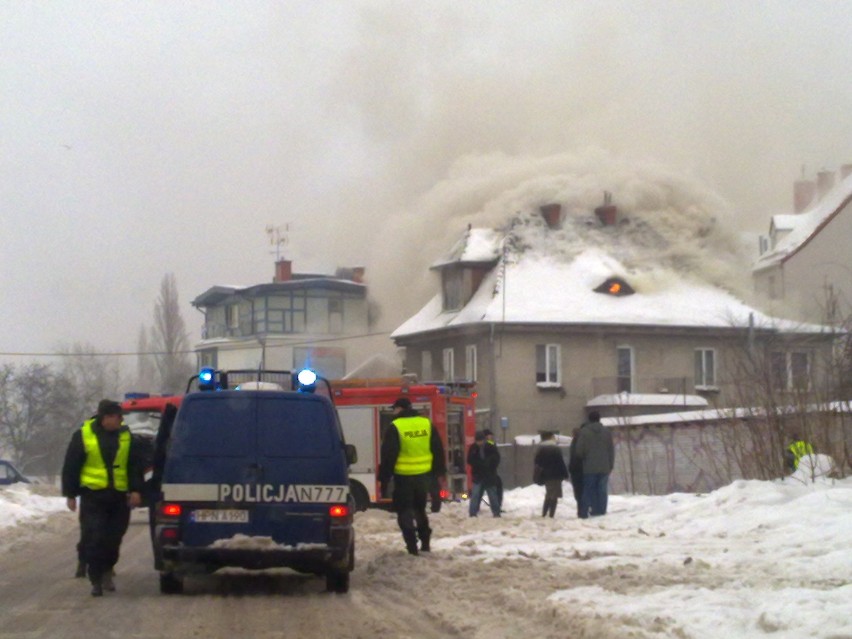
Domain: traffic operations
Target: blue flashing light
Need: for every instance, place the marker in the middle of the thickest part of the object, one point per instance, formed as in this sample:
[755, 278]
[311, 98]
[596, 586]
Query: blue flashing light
[207, 379]
[306, 377]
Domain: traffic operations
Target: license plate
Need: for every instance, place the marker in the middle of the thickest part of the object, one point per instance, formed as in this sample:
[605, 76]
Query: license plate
[220, 516]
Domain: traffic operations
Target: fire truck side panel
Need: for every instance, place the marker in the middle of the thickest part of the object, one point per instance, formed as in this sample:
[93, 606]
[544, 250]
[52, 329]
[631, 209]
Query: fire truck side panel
[359, 428]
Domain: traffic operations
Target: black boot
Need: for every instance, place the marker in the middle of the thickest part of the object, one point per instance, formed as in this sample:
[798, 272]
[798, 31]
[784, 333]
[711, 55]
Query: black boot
[97, 587]
[410, 538]
[81, 570]
[552, 510]
[425, 535]
[545, 507]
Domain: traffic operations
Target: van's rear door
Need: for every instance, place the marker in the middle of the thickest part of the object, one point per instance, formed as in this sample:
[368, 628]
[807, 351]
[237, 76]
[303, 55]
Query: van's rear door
[212, 465]
[303, 467]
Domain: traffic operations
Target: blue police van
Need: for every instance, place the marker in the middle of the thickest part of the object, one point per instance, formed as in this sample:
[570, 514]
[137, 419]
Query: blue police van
[256, 478]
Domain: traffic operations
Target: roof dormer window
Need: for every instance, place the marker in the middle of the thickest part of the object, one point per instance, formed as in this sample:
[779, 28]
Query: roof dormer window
[616, 287]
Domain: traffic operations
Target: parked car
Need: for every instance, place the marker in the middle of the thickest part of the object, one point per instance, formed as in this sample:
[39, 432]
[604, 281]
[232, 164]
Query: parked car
[10, 475]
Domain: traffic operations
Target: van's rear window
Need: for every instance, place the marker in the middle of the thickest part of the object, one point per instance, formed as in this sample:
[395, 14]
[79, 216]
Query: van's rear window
[216, 426]
[293, 428]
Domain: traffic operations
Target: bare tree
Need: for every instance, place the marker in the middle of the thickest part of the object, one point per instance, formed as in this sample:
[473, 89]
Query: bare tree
[146, 366]
[31, 399]
[169, 339]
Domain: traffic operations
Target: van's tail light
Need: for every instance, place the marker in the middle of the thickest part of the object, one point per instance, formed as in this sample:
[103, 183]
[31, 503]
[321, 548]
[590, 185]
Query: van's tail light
[171, 510]
[445, 494]
[338, 511]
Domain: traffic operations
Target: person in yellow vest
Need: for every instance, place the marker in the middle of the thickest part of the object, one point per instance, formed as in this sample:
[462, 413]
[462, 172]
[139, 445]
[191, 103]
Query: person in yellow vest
[103, 468]
[412, 454]
[795, 451]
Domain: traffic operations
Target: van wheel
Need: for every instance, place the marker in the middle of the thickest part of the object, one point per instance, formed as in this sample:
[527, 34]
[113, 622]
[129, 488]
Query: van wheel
[337, 581]
[170, 584]
[360, 495]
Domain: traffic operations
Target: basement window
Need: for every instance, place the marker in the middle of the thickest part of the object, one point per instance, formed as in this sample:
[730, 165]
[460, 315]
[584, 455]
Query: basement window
[616, 287]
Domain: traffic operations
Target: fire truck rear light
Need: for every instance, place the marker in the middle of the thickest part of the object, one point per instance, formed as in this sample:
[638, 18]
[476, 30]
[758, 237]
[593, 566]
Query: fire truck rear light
[338, 511]
[445, 494]
[172, 510]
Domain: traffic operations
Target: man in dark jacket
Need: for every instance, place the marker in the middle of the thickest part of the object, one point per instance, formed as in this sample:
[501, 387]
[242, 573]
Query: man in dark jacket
[596, 451]
[103, 467]
[551, 472]
[483, 459]
[412, 454]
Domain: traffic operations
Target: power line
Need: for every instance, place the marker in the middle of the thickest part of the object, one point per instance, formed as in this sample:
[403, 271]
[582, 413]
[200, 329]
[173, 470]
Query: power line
[189, 352]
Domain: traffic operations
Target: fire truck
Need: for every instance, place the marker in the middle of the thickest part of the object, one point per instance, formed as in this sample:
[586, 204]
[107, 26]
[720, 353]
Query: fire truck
[365, 414]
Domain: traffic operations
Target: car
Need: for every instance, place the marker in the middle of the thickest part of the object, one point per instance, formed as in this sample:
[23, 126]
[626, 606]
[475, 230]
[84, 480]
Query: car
[255, 479]
[10, 475]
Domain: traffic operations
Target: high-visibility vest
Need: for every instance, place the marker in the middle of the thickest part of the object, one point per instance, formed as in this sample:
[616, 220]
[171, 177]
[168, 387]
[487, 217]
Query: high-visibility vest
[415, 449]
[799, 450]
[94, 474]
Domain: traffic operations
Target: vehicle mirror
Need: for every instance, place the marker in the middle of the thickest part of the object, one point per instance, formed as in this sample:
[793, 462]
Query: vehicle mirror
[351, 454]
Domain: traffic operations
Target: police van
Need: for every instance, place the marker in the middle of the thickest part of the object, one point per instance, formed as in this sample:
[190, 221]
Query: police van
[256, 478]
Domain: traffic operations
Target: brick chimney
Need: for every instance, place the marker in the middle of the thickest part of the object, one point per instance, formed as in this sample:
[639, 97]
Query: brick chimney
[803, 194]
[358, 274]
[608, 212]
[552, 214]
[825, 182]
[283, 271]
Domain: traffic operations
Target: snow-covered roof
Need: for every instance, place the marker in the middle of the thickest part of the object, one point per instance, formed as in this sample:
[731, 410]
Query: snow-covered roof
[477, 245]
[804, 226]
[647, 399]
[785, 221]
[533, 289]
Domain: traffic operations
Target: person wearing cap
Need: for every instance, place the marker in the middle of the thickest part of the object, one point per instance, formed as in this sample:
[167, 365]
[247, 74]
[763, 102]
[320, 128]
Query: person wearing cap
[489, 437]
[105, 470]
[483, 459]
[412, 455]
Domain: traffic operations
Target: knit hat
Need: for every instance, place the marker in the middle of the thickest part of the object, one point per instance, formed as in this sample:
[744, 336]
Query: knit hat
[403, 402]
[108, 407]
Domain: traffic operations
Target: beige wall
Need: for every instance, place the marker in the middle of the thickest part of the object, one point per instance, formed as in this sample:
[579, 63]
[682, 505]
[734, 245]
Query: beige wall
[801, 280]
[589, 369]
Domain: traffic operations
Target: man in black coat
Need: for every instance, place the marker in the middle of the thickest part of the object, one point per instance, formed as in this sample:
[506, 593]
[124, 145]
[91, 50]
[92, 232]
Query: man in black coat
[483, 459]
[103, 466]
[551, 472]
[575, 469]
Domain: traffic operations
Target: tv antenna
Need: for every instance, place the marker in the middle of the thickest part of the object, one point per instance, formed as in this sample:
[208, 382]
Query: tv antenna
[278, 237]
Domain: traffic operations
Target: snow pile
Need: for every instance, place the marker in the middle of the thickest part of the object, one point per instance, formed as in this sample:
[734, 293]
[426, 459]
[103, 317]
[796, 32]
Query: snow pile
[751, 559]
[21, 503]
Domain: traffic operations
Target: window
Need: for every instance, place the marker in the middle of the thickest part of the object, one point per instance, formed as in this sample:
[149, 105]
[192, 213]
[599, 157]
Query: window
[287, 313]
[624, 356]
[426, 365]
[470, 362]
[790, 371]
[335, 315]
[449, 365]
[453, 286]
[800, 371]
[232, 315]
[705, 368]
[547, 368]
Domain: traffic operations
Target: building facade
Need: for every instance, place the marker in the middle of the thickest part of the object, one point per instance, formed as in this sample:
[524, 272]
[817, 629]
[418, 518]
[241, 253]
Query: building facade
[297, 320]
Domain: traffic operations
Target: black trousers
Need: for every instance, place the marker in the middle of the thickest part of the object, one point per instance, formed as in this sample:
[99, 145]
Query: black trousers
[409, 502]
[104, 517]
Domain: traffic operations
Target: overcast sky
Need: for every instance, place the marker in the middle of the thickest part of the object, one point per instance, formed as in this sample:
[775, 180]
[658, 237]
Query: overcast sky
[142, 138]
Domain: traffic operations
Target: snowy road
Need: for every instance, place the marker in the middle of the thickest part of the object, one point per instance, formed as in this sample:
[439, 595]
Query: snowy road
[754, 559]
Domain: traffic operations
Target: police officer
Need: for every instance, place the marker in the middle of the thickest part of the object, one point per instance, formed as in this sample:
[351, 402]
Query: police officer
[795, 451]
[413, 455]
[103, 467]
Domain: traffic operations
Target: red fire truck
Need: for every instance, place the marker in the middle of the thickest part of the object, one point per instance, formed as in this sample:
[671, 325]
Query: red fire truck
[365, 413]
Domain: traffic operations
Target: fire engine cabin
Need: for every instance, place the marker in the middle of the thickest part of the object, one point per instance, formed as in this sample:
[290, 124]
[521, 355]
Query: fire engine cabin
[365, 414]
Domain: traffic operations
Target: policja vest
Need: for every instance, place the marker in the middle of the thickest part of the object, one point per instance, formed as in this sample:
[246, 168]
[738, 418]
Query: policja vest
[94, 474]
[415, 446]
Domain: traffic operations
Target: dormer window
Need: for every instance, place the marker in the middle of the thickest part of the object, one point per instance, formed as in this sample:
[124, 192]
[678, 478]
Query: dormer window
[616, 287]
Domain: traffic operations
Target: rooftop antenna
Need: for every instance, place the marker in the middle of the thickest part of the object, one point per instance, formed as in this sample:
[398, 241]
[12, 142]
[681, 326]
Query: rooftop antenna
[278, 237]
